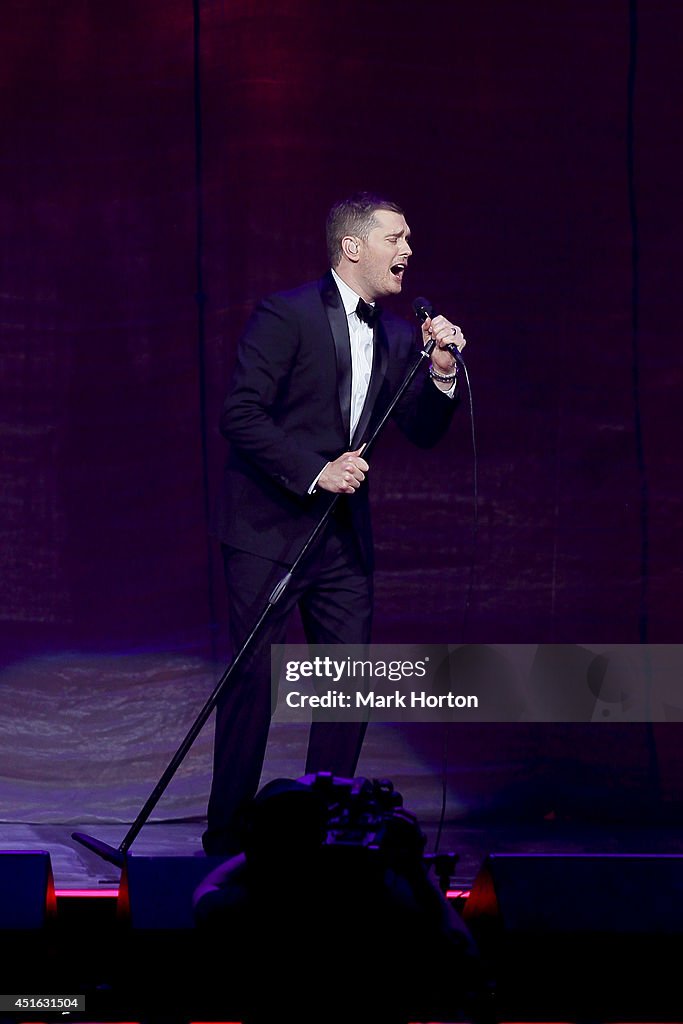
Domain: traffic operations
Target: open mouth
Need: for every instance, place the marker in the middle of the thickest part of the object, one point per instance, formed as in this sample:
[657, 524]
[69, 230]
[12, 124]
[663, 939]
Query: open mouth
[397, 269]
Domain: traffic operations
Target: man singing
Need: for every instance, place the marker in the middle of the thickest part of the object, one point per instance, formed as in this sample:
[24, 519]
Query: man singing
[316, 368]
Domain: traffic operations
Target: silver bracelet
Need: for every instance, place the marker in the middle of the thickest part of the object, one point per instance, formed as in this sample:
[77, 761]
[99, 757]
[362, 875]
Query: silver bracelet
[441, 378]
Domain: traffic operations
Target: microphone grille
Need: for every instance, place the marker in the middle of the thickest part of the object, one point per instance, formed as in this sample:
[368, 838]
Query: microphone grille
[423, 308]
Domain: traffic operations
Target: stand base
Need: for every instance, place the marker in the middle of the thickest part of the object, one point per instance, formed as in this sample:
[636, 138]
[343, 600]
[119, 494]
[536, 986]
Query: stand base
[104, 850]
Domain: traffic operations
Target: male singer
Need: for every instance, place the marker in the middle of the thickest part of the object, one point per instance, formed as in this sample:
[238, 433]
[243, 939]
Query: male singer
[316, 368]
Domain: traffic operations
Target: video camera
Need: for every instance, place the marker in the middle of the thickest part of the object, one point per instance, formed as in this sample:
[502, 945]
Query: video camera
[369, 814]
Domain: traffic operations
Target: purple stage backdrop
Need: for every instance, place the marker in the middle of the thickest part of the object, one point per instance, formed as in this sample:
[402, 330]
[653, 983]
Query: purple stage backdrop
[164, 165]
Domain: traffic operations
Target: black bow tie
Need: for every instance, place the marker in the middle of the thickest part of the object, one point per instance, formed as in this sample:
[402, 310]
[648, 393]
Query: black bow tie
[367, 313]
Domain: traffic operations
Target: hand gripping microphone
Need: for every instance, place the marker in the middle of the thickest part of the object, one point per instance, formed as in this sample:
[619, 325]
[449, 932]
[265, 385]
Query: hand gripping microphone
[423, 308]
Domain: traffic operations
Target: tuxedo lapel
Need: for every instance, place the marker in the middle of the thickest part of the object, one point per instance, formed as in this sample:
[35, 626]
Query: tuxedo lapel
[336, 314]
[380, 362]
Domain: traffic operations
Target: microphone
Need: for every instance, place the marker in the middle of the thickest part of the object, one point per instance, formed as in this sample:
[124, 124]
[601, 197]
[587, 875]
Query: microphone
[423, 308]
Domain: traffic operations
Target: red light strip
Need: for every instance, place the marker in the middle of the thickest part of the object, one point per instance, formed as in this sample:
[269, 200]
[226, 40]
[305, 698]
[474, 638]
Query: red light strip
[458, 894]
[88, 893]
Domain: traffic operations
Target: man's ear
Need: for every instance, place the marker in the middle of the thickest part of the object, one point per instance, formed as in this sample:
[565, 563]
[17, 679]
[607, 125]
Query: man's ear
[350, 247]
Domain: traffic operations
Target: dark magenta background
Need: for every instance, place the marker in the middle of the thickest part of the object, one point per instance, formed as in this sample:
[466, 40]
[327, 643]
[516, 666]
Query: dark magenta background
[502, 129]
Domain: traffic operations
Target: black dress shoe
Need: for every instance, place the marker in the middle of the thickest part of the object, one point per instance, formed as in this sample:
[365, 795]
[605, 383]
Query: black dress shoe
[219, 843]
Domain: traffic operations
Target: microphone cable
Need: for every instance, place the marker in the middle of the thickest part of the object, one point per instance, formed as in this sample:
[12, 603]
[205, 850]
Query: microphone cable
[423, 309]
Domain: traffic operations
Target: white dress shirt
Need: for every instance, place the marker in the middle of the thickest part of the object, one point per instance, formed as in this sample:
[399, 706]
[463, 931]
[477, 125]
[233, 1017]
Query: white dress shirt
[361, 338]
[362, 348]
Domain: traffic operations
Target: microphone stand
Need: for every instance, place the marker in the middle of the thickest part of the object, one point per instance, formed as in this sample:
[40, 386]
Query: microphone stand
[117, 855]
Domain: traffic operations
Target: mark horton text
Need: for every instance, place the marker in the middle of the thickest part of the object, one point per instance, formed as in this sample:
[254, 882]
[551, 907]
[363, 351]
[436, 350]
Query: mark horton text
[415, 699]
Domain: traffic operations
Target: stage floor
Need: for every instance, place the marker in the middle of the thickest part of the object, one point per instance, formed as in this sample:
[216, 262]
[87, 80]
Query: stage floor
[75, 867]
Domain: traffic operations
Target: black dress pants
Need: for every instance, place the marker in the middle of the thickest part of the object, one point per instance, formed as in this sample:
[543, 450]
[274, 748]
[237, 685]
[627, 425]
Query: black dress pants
[334, 593]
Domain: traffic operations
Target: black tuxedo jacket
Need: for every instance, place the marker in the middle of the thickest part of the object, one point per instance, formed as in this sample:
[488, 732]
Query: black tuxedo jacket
[287, 414]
